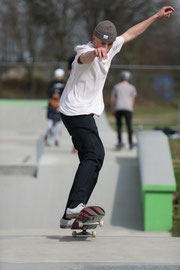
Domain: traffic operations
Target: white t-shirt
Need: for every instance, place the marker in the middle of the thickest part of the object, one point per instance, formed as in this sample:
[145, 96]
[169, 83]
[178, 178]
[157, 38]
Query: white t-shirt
[83, 93]
[123, 93]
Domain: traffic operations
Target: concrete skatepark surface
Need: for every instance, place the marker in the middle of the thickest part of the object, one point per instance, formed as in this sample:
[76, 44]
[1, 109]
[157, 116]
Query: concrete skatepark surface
[33, 197]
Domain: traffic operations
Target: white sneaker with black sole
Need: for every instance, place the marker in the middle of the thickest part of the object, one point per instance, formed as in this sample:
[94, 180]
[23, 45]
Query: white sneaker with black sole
[74, 212]
[66, 223]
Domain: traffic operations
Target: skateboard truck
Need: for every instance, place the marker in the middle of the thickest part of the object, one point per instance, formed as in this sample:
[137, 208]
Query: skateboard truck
[84, 233]
[89, 218]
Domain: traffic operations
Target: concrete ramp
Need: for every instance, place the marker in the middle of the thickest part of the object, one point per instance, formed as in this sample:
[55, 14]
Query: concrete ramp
[38, 202]
[22, 123]
[118, 189]
[30, 207]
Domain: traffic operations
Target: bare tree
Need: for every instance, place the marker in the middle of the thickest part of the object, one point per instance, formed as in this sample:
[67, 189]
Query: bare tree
[49, 29]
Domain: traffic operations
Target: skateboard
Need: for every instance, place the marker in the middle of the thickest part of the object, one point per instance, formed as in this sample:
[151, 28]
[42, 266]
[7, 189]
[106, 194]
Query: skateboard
[89, 218]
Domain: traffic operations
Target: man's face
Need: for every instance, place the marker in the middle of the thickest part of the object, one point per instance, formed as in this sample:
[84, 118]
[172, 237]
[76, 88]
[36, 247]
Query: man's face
[98, 43]
[59, 78]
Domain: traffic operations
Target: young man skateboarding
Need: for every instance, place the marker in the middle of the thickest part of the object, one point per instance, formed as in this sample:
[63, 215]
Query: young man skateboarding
[82, 98]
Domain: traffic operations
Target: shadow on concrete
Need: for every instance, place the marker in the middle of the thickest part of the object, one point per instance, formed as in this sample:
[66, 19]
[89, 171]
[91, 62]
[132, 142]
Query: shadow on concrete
[127, 210]
[68, 238]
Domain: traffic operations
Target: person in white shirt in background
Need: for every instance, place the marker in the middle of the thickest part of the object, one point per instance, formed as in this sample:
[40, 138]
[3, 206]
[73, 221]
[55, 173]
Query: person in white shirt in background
[122, 105]
[82, 98]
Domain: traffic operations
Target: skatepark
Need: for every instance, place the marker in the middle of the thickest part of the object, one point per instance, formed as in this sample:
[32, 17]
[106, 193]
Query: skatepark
[34, 184]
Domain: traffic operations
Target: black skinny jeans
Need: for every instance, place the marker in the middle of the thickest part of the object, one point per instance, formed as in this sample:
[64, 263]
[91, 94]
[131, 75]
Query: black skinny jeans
[86, 140]
[128, 118]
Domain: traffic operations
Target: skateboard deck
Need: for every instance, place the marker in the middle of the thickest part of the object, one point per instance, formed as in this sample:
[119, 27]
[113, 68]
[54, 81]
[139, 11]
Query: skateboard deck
[89, 218]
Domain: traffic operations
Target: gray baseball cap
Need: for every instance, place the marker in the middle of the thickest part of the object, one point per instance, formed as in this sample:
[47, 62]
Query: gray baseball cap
[106, 31]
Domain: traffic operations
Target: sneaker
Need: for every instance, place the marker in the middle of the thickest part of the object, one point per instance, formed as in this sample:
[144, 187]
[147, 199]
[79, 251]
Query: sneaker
[45, 138]
[74, 212]
[119, 146]
[132, 146]
[56, 143]
[66, 223]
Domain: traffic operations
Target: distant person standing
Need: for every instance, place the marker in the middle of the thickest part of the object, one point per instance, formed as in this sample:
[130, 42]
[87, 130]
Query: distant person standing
[55, 90]
[122, 104]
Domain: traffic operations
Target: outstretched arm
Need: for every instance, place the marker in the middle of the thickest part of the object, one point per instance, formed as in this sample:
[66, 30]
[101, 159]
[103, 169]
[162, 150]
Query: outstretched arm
[139, 28]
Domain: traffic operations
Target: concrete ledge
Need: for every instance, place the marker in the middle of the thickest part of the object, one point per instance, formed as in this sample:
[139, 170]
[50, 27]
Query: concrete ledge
[157, 180]
[87, 266]
[159, 188]
[18, 170]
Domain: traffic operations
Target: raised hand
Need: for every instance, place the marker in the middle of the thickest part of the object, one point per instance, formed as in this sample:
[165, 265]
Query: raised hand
[166, 11]
[101, 53]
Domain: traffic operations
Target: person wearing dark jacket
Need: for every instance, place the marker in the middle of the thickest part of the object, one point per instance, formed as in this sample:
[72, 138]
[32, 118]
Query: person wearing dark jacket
[55, 90]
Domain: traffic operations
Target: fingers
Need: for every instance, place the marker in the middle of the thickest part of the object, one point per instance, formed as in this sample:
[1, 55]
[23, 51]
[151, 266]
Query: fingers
[101, 53]
[168, 11]
[169, 8]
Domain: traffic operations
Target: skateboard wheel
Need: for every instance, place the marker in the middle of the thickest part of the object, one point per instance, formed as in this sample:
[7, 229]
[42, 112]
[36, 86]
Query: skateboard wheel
[94, 234]
[74, 233]
[101, 224]
[80, 224]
